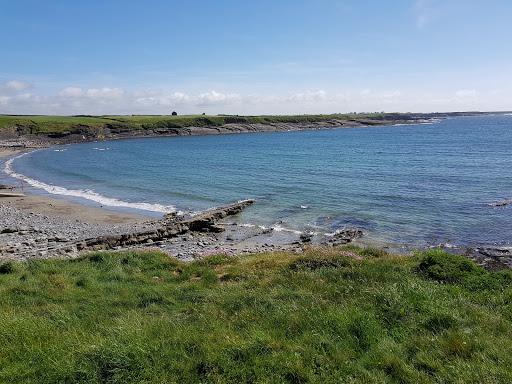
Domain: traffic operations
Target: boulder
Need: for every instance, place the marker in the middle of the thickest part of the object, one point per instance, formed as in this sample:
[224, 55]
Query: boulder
[345, 236]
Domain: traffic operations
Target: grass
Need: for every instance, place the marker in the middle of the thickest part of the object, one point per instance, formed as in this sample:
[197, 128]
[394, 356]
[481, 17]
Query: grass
[76, 124]
[345, 315]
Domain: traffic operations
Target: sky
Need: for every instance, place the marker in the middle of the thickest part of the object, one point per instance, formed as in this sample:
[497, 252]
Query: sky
[254, 57]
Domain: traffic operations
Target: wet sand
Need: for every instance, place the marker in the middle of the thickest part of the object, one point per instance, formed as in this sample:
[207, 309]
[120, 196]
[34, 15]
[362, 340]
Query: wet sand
[60, 208]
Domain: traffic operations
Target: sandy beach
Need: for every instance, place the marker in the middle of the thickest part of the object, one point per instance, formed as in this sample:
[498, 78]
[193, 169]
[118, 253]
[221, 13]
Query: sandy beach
[62, 208]
[67, 210]
[7, 152]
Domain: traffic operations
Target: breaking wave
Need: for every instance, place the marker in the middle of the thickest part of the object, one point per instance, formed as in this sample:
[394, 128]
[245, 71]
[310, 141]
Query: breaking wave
[84, 194]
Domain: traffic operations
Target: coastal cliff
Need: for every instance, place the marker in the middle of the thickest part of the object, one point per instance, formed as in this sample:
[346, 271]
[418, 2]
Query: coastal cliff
[30, 131]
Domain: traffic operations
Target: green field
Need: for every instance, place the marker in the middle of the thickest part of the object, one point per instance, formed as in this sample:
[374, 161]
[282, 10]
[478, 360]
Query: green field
[343, 315]
[60, 124]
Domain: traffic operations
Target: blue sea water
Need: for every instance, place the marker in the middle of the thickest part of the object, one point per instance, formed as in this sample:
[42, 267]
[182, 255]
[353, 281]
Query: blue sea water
[414, 184]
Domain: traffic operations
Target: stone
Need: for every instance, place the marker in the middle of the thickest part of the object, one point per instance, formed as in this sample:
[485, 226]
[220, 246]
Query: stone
[9, 230]
[345, 236]
[306, 237]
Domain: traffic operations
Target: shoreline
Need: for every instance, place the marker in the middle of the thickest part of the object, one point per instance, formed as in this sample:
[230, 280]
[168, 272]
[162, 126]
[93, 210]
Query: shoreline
[39, 226]
[102, 221]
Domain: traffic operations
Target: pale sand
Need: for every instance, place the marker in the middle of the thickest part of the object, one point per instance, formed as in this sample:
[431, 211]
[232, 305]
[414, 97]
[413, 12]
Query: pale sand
[68, 210]
[56, 207]
[6, 151]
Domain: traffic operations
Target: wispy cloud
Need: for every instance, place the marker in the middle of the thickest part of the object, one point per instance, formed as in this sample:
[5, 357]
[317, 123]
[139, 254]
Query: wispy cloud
[308, 96]
[422, 11]
[15, 86]
[217, 98]
[427, 12]
[466, 93]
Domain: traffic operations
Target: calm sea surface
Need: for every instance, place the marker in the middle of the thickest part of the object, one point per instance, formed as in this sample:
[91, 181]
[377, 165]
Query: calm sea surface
[414, 184]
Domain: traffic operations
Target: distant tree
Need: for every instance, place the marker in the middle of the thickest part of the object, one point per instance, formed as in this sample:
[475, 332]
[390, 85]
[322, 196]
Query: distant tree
[174, 113]
[204, 114]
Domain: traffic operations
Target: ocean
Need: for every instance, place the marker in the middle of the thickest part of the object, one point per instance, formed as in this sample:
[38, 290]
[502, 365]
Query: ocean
[420, 185]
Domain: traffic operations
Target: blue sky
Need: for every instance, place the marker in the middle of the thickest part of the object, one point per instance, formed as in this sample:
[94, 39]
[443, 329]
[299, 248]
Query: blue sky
[248, 57]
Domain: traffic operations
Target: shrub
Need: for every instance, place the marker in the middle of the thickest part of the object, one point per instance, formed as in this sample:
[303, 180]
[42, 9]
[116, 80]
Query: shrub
[447, 268]
[6, 268]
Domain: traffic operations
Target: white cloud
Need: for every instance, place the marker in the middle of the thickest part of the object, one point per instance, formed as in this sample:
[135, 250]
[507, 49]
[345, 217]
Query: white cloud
[110, 100]
[104, 93]
[15, 86]
[217, 98]
[308, 96]
[466, 93]
[151, 98]
[71, 92]
[92, 93]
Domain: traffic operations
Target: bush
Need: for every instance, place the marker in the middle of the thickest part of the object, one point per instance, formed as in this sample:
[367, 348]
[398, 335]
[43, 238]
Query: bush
[455, 269]
[6, 268]
[447, 268]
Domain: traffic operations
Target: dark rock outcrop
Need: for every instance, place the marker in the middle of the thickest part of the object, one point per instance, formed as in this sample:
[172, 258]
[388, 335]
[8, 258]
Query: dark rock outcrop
[205, 221]
[345, 236]
[171, 226]
[492, 258]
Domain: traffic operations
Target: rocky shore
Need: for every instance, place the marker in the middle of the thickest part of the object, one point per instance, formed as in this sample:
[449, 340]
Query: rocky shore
[28, 235]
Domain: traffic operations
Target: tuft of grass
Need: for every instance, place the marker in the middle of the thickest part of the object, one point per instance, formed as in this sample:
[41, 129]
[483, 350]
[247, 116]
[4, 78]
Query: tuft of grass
[439, 322]
[6, 268]
[373, 252]
[328, 315]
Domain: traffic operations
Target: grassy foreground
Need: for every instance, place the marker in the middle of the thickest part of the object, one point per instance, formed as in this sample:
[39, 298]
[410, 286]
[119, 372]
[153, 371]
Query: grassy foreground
[328, 316]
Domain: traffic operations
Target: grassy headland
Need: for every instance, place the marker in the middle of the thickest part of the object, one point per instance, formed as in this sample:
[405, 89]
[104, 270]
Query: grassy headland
[35, 130]
[338, 315]
[59, 124]
[78, 128]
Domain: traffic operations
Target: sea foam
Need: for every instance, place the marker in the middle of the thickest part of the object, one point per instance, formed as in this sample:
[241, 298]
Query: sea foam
[84, 194]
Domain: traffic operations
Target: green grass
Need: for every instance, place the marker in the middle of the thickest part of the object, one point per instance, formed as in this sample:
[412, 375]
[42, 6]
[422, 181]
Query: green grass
[328, 316]
[63, 124]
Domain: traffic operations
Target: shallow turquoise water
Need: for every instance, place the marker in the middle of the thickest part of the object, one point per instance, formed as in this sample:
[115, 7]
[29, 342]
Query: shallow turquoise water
[415, 184]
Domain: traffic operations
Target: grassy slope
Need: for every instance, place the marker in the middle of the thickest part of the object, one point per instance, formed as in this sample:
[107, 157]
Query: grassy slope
[58, 124]
[322, 317]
